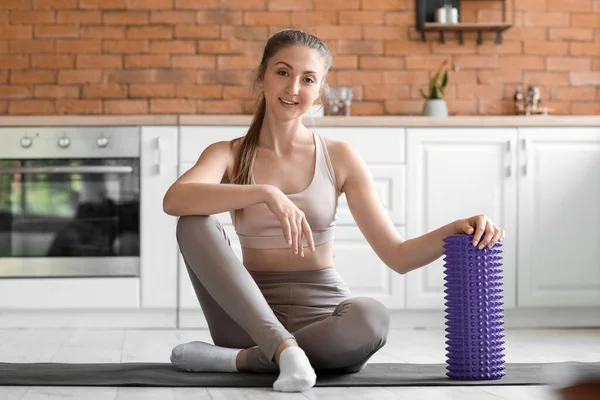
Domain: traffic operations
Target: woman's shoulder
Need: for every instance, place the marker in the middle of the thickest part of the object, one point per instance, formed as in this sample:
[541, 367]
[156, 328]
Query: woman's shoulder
[336, 146]
[223, 151]
[339, 151]
[341, 155]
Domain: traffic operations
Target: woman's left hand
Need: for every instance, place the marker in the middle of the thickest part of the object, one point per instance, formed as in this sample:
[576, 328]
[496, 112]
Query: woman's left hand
[484, 232]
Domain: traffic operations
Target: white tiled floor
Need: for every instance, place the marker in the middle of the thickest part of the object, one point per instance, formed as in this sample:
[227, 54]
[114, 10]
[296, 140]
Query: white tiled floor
[419, 346]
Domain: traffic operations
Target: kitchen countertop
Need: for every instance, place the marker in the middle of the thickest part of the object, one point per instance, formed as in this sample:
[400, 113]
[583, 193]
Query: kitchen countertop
[244, 120]
[410, 121]
[88, 120]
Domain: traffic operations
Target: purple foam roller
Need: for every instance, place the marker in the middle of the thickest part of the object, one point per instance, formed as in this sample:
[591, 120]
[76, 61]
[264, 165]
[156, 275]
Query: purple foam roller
[474, 313]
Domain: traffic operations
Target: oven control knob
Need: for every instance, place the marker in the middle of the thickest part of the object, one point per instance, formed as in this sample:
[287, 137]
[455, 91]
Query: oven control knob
[26, 142]
[64, 142]
[102, 141]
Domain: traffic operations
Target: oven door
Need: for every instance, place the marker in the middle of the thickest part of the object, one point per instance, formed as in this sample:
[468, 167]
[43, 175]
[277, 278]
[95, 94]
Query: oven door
[69, 218]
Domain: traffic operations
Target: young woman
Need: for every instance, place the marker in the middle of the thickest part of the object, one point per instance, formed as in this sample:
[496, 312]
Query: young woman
[285, 308]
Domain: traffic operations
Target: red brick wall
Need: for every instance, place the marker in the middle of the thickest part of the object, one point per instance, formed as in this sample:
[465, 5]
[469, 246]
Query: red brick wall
[195, 56]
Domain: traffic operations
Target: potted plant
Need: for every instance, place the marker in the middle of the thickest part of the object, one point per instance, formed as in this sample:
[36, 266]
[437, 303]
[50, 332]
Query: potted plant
[435, 105]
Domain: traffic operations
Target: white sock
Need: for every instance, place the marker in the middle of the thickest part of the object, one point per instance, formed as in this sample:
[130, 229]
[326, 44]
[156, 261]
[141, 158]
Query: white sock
[296, 374]
[204, 357]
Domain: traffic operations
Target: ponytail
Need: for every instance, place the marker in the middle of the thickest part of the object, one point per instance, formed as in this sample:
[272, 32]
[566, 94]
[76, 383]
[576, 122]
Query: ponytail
[244, 159]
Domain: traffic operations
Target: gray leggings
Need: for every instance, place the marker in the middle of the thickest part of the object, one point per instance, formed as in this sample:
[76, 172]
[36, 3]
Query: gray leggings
[259, 310]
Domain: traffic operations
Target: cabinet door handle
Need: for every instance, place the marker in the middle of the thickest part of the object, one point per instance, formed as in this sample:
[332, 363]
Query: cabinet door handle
[525, 148]
[508, 159]
[159, 154]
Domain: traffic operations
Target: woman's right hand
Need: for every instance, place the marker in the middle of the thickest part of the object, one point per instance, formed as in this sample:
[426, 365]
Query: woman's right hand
[292, 219]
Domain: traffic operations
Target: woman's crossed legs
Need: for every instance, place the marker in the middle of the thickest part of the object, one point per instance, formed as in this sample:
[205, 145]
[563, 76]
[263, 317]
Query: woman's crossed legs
[335, 332]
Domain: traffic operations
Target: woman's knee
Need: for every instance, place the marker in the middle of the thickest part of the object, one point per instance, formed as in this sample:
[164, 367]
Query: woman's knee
[372, 318]
[191, 223]
[197, 228]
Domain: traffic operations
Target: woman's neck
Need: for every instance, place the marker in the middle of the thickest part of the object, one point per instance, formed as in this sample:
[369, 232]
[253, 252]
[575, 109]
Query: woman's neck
[279, 135]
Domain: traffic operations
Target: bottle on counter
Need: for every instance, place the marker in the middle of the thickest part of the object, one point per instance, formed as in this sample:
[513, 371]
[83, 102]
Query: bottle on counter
[519, 101]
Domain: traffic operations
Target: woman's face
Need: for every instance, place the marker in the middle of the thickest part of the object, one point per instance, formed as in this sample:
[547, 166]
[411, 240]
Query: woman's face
[292, 81]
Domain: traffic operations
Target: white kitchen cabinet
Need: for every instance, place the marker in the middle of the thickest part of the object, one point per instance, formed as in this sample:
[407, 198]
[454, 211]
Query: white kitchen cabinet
[67, 294]
[454, 174]
[559, 217]
[548, 177]
[384, 152]
[158, 251]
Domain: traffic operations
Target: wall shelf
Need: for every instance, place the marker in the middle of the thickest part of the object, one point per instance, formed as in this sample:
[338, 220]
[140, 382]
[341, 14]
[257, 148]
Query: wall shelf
[426, 9]
[461, 27]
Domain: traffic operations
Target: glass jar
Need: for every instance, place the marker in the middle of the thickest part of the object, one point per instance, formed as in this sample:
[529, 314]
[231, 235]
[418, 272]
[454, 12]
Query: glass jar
[339, 101]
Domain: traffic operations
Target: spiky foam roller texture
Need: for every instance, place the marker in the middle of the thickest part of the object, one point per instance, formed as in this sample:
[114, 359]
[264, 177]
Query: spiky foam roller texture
[474, 313]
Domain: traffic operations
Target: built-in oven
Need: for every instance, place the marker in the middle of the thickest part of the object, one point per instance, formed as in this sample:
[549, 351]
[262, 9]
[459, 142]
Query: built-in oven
[69, 202]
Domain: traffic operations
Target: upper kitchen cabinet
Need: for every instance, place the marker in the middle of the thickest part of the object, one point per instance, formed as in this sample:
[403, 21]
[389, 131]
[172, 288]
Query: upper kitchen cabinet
[158, 249]
[453, 174]
[559, 217]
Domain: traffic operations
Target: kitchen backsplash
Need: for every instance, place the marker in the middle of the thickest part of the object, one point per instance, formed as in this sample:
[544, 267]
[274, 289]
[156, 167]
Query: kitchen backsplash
[197, 56]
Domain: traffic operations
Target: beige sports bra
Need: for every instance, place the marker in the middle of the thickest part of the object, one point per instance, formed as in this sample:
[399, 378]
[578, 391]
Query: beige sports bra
[260, 229]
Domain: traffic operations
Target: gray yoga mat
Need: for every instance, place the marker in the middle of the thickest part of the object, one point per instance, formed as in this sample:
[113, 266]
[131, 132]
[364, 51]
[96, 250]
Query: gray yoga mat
[164, 374]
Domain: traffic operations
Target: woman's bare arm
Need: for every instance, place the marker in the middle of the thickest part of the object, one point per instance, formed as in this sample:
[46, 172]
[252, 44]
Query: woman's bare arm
[373, 221]
[200, 192]
[401, 255]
